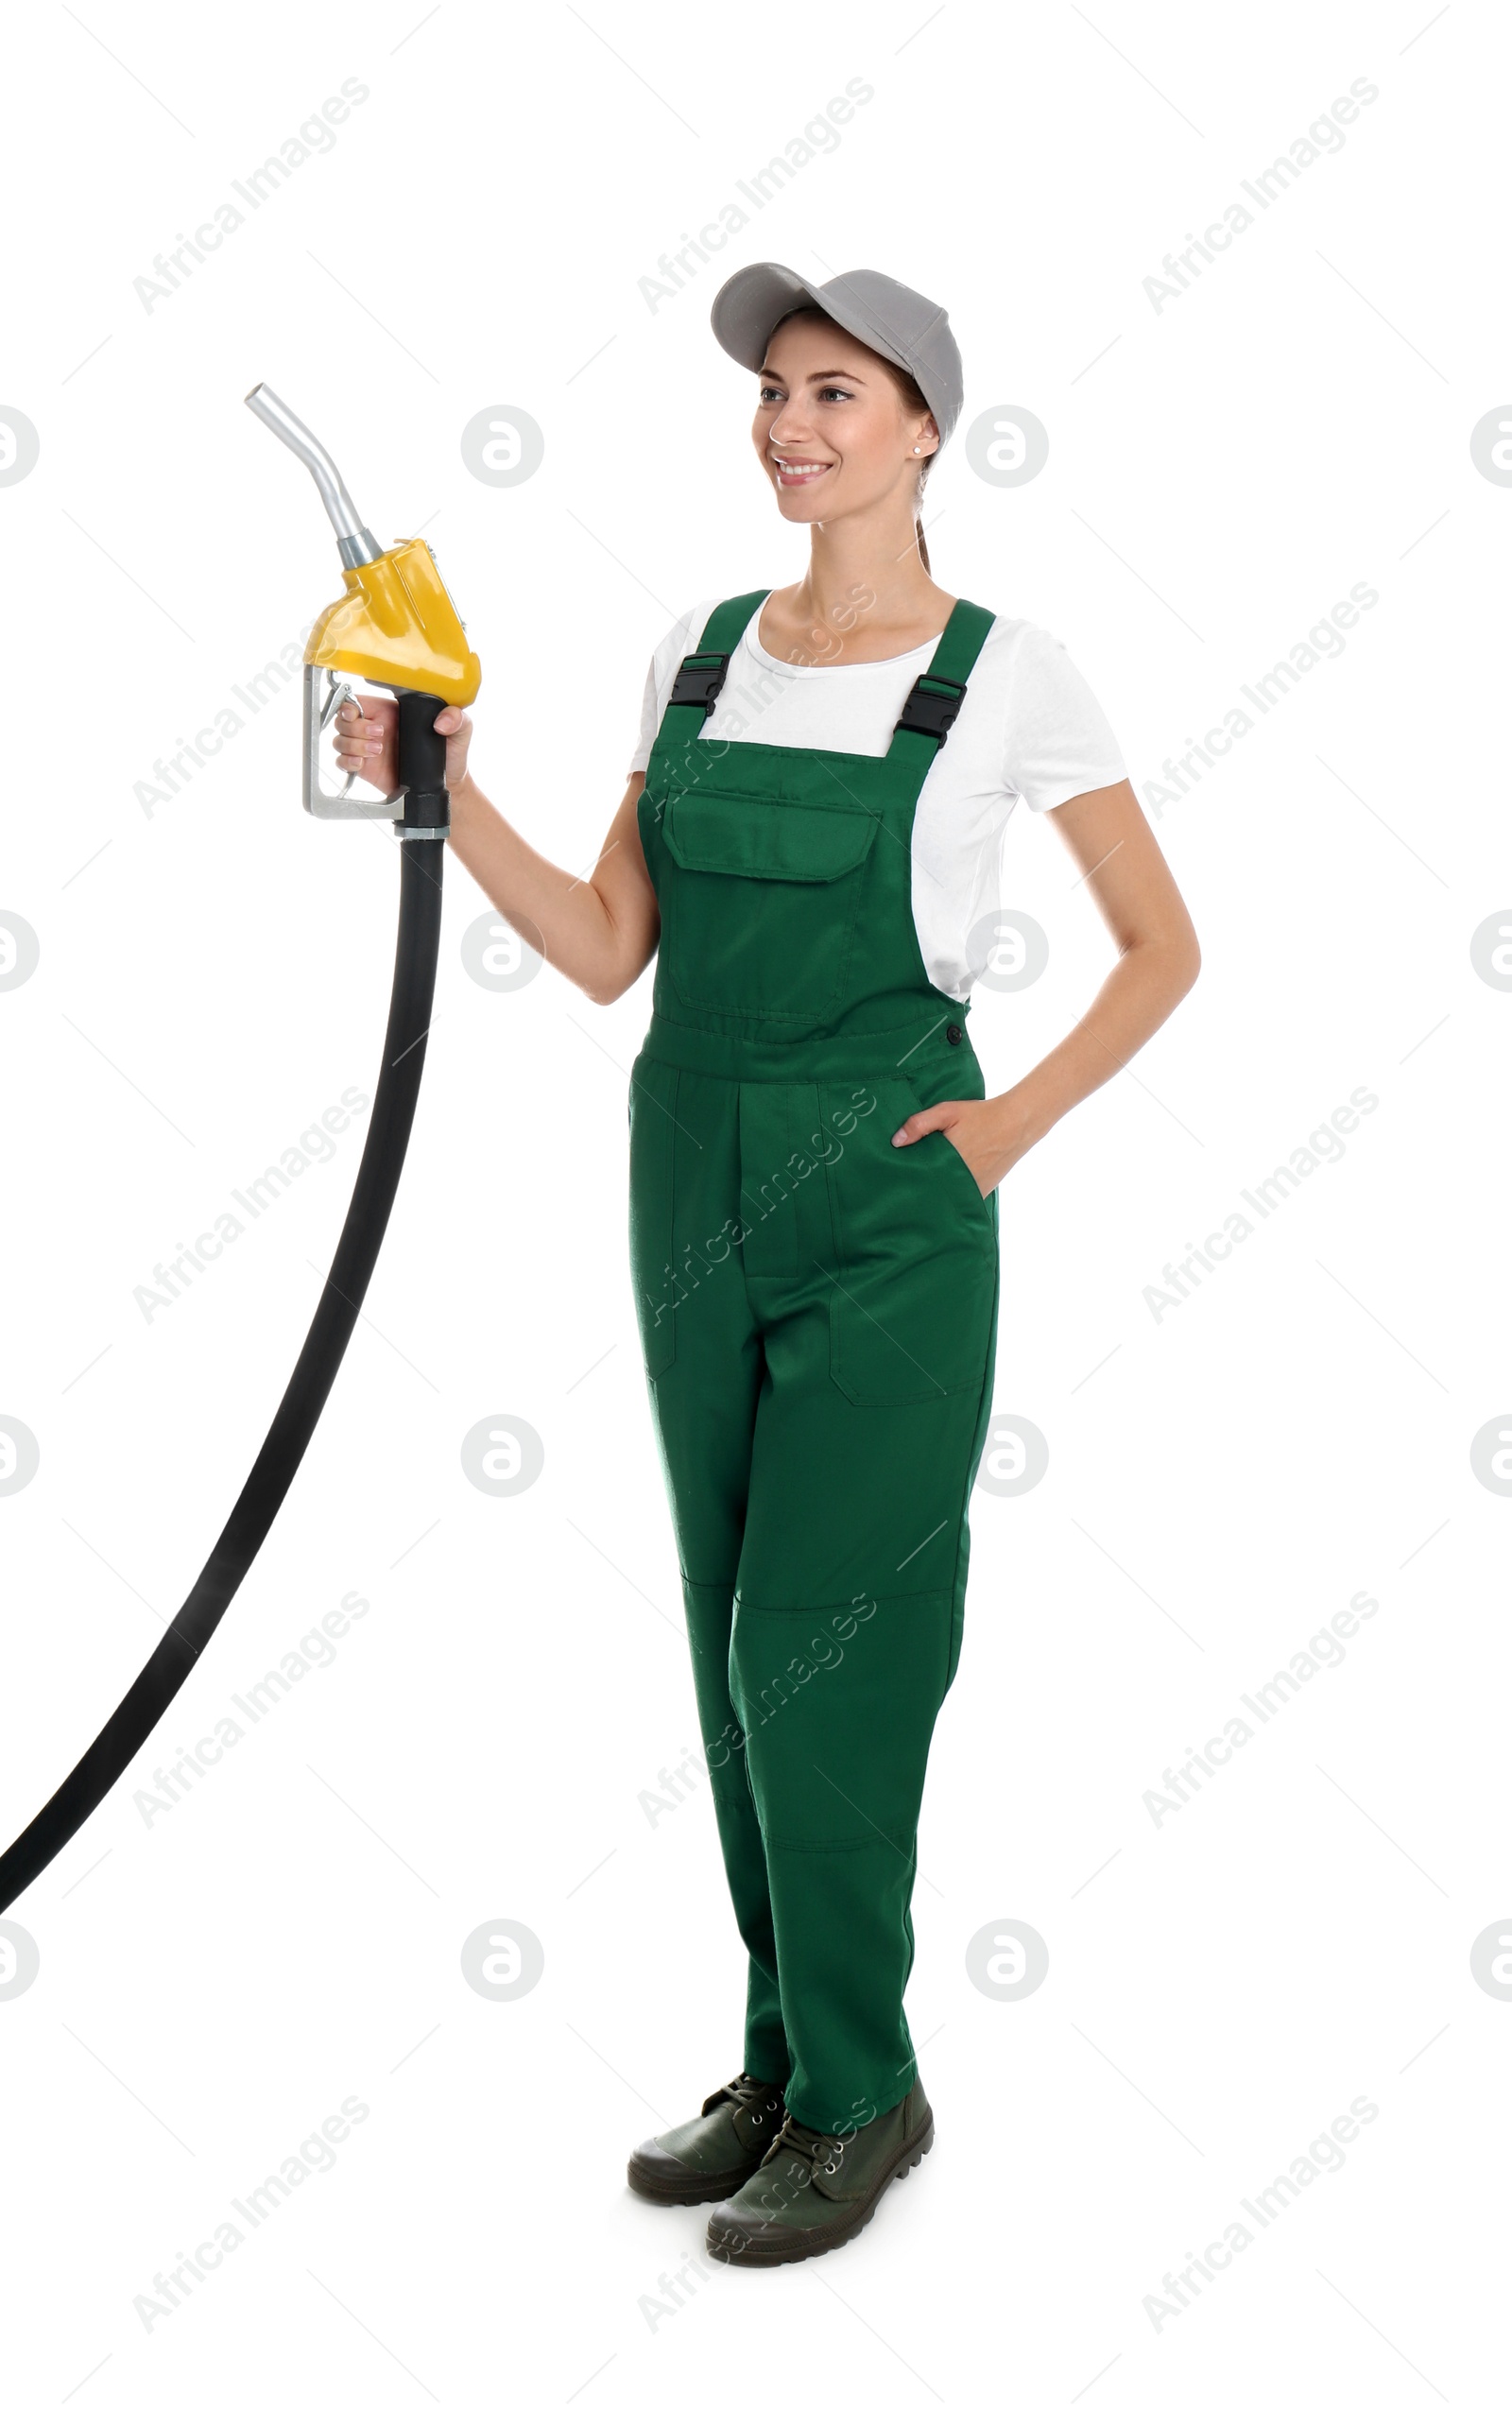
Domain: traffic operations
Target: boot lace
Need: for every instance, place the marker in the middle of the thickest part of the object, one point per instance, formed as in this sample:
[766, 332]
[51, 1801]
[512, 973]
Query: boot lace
[823, 2151]
[761, 2099]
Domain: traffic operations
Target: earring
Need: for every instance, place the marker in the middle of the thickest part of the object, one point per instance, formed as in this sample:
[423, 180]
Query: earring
[918, 447]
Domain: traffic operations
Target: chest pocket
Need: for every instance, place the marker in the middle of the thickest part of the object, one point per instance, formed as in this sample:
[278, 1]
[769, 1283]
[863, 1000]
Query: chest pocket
[759, 903]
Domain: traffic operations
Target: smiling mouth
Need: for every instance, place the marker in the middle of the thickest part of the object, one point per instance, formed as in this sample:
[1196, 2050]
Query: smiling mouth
[796, 472]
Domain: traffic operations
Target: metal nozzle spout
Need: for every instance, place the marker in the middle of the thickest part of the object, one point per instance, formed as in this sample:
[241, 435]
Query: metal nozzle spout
[355, 541]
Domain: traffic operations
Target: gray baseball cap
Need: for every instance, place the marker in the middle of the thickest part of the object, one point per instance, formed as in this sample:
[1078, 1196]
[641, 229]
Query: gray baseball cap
[890, 317]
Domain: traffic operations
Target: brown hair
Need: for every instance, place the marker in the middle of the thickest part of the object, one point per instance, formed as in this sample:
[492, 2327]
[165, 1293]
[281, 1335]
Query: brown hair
[911, 398]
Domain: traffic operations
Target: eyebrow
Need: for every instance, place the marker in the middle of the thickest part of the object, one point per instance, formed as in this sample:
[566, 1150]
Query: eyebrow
[819, 375]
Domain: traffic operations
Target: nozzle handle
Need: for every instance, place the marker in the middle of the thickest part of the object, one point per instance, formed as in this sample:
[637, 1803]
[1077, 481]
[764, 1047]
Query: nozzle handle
[422, 766]
[355, 542]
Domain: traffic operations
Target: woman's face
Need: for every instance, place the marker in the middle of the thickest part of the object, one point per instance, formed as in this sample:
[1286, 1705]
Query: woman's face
[831, 428]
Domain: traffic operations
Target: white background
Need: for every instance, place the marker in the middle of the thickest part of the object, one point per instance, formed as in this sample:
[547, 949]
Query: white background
[1221, 1480]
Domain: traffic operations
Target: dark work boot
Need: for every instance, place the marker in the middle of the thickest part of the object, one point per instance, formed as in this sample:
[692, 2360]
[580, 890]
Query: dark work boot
[711, 2156]
[814, 2191]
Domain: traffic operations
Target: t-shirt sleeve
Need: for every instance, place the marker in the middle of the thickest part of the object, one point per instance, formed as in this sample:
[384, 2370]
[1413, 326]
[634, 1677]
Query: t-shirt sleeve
[1059, 741]
[681, 638]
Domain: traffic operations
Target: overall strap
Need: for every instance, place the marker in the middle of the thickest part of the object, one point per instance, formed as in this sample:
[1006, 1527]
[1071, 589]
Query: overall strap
[936, 694]
[695, 687]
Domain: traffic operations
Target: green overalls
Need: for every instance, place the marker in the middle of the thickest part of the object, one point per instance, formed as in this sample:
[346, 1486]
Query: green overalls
[818, 1312]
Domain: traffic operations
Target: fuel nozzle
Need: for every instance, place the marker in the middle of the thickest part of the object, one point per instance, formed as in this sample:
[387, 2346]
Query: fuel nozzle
[396, 626]
[355, 543]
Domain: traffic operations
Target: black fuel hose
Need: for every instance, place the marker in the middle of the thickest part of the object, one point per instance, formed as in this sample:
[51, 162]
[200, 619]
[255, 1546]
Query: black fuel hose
[251, 1517]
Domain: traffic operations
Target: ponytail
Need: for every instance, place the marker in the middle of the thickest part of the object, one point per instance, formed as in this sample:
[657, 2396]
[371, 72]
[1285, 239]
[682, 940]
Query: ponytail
[913, 400]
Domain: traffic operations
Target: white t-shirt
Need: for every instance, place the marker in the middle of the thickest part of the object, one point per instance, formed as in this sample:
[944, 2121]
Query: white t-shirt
[1030, 725]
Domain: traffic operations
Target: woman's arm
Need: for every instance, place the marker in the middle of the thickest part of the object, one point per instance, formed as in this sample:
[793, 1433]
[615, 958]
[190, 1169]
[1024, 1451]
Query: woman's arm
[1158, 961]
[598, 927]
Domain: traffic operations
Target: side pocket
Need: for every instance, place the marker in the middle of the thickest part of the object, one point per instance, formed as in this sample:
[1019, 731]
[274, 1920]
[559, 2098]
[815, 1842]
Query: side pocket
[653, 1103]
[956, 1168]
[940, 1149]
[914, 1265]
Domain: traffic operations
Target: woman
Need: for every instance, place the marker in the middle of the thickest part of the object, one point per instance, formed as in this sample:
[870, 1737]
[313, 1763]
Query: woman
[809, 846]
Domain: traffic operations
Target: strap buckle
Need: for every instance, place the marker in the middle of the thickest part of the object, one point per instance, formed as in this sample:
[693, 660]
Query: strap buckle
[932, 706]
[698, 680]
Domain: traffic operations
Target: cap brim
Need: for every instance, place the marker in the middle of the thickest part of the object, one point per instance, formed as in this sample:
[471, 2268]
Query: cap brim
[749, 305]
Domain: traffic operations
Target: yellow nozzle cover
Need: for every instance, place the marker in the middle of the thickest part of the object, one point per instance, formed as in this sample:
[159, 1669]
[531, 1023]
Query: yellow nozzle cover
[397, 626]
